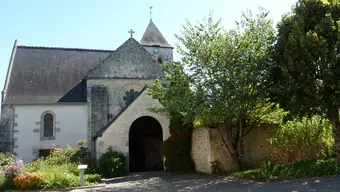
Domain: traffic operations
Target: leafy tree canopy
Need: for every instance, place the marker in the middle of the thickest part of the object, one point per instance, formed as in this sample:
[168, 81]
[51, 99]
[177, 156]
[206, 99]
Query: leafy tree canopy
[306, 69]
[221, 73]
[220, 78]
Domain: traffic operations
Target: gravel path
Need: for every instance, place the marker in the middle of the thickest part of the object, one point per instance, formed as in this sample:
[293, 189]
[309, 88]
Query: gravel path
[164, 182]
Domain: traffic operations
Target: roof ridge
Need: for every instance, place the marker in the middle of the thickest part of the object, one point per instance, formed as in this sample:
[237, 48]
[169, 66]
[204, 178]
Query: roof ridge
[9, 70]
[63, 48]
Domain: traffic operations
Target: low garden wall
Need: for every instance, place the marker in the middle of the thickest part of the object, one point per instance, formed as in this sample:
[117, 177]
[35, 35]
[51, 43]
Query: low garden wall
[207, 148]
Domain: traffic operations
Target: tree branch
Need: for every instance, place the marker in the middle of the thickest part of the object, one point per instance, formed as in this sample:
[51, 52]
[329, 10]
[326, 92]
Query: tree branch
[224, 141]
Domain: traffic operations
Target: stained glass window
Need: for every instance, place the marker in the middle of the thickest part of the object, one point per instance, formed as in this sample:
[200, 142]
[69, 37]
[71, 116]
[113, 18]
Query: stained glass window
[130, 96]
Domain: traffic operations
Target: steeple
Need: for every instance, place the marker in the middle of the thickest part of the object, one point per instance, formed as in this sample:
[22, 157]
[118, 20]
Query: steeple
[153, 37]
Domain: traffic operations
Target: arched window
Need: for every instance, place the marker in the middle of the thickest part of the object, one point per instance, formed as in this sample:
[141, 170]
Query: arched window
[48, 126]
[160, 60]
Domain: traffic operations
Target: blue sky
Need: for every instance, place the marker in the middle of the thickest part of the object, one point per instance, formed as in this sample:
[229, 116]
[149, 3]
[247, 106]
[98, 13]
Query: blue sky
[104, 24]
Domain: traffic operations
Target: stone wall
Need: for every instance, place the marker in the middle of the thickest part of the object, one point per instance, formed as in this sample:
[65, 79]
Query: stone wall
[99, 107]
[201, 150]
[7, 128]
[105, 105]
[117, 134]
[207, 147]
[164, 53]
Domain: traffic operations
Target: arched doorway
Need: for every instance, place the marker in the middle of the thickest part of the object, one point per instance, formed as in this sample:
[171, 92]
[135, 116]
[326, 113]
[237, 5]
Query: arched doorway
[145, 145]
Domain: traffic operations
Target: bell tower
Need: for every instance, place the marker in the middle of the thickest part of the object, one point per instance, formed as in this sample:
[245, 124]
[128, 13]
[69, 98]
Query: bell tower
[155, 43]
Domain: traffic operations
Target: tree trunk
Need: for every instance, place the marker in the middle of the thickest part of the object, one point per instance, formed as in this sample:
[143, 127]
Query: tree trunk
[239, 145]
[234, 144]
[238, 158]
[235, 152]
[336, 135]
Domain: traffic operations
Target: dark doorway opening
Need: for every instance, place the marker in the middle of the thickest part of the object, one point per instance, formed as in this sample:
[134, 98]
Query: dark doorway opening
[145, 145]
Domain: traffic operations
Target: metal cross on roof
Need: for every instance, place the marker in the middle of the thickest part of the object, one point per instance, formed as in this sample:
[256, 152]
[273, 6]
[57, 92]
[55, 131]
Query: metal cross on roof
[150, 12]
[131, 32]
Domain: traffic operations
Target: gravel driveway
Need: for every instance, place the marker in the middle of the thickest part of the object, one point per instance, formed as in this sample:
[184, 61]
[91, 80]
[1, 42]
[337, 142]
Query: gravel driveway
[164, 182]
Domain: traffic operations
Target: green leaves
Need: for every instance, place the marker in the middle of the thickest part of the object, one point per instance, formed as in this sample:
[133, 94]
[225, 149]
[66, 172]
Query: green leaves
[221, 73]
[305, 72]
[305, 138]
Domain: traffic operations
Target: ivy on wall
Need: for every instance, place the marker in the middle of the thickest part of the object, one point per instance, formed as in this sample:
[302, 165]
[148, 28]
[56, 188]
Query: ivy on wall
[177, 147]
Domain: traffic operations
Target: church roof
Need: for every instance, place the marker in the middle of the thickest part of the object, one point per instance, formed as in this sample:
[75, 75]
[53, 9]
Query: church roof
[47, 74]
[131, 61]
[153, 37]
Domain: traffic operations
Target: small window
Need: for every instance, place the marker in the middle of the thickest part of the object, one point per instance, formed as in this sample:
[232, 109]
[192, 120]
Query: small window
[160, 60]
[47, 131]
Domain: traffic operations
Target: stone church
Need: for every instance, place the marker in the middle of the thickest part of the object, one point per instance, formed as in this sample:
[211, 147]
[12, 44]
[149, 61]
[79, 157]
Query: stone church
[56, 96]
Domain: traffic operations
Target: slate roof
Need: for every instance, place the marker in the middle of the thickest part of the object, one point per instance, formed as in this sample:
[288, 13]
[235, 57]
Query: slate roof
[48, 74]
[131, 60]
[153, 37]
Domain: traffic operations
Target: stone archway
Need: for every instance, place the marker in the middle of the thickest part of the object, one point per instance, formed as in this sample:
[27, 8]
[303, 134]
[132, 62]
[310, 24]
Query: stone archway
[145, 145]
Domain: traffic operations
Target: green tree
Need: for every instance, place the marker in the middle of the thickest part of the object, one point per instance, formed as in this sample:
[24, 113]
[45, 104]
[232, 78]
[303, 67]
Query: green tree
[306, 68]
[219, 80]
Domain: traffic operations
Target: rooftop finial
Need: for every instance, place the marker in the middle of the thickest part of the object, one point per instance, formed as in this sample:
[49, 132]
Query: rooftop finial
[131, 32]
[150, 12]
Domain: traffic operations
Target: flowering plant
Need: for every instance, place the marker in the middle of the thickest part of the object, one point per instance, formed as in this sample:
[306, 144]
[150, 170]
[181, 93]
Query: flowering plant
[28, 181]
[15, 168]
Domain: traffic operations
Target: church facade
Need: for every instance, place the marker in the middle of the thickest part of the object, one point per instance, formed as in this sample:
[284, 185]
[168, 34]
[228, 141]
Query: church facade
[56, 96]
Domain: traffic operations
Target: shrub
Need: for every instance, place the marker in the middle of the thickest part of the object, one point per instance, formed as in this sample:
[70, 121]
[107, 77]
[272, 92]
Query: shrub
[5, 160]
[62, 176]
[71, 168]
[28, 181]
[268, 171]
[308, 138]
[177, 147]
[93, 178]
[58, 157]
[33, 166]
[14, 169]
[78, 155]
[83, 156]
[57, 171]
[112, 164]
[59, 180]
[5, 183]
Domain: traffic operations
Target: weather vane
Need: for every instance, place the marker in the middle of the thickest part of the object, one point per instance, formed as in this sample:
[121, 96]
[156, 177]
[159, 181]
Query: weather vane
[150, 12]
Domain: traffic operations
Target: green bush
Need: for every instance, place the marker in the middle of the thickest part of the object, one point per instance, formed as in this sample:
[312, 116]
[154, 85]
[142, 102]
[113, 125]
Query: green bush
[59, 169]
[61, 176]
[60, 180]
[177, 147]
[93, 178]
[5, 183]
[83, 156]
[299, 139]
[5, 159]
[268, 171]
[78, 155]
[58, 156]
[112, 164]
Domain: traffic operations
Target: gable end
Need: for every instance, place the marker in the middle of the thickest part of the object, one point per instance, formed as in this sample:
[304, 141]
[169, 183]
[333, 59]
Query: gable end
[129, 61]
